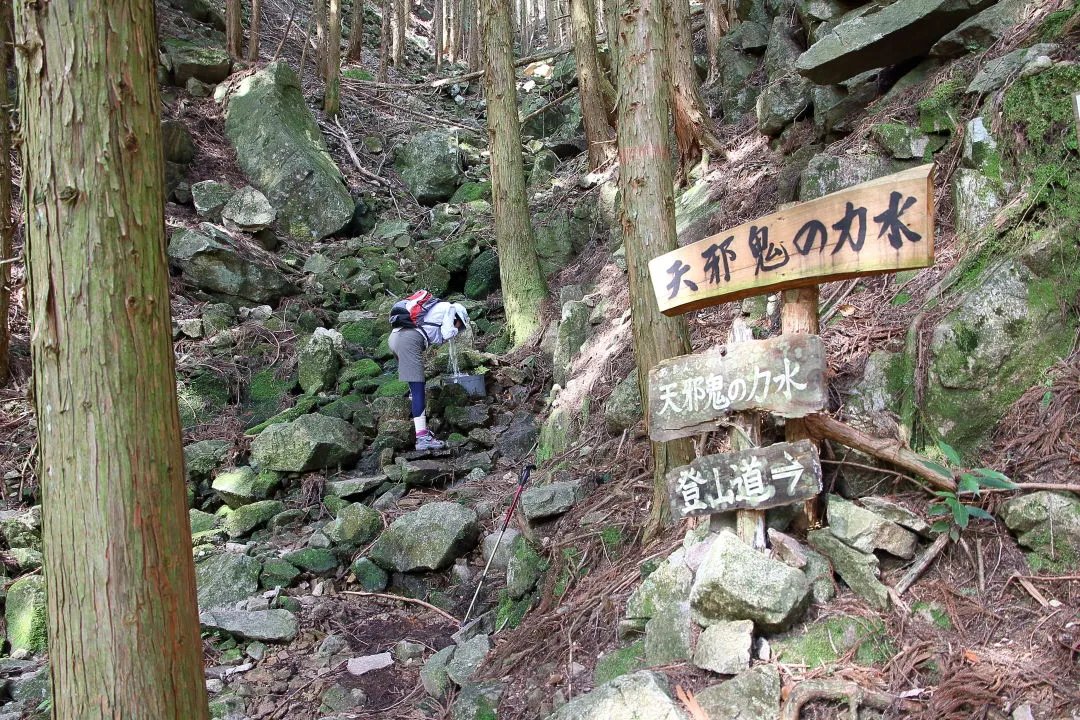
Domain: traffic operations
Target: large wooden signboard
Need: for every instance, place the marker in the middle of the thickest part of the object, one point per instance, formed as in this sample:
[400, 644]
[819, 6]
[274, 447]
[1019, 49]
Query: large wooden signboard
[884, 225]
[785, 375]
[758, 478]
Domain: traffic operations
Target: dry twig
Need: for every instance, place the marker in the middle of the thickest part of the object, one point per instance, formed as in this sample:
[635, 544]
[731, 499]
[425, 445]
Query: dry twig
[399, 598]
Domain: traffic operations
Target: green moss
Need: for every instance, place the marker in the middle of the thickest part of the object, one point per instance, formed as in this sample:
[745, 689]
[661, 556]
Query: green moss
[365, 333]
[357, 74]
[202, 398]
[620, 662]
[266, 387]
[611, 536]
[939, 111]
[1055, 24]
[394, 388]
[1053, 557]
[902, 298]
[472, 191]
[824, 642]
[510, 613]
[304, 405]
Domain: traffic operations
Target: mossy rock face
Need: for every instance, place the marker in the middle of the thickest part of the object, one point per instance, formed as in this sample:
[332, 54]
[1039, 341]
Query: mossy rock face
[619, 662]
[188, 60]
[370, 576]
[246, 518]
[365, 332]
[393, 388]
[265, 394]
[315, 560]
[280, 148]
[1048, 523]
[202, 398]
[225, 578]
[277, 573]
[435, 278]
[825, 641]
[455, 255]
[472, 191]
[482, 278]
[523, 569]
[26, 614]
[241, 486]
[431, 164]
[304, 405]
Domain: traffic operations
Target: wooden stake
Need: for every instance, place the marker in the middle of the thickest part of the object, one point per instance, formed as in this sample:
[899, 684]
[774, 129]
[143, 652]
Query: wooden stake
[799, 316]
[750, 524]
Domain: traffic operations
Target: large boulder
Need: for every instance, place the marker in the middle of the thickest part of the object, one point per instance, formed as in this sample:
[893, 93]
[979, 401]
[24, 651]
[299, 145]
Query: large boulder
[263, 625]
[901, 31]
[221, 272]
[826, 174]
[667, 586]
[427, 539]
[736, 583]
[751, 695]
[571, 337]
[202, 457]
[318, 363]
[545, 501]
[640, 695]
[867, 531]
[241, 486]
[308, 443]
[781, 103]
[225, 578]
[280, 149]
[210, 198]
[355, 524]
[432, 166]
[26, 615]
[1049, 524]
[623, 407]
[982, 30]
[187, 60]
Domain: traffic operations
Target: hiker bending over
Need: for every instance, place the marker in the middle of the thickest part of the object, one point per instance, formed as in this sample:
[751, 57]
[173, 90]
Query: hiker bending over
[421, 320]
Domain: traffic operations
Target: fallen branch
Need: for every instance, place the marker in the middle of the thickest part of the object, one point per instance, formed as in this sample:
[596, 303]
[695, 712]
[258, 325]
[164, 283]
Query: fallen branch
[409, 111]
[414, 601]
[825, 427]
[368, 175]
[1028, 486]
[921, 564]
[554, 103]
[288, 27]
[839, 691]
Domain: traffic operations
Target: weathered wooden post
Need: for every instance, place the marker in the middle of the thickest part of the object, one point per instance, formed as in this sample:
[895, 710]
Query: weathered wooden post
[746, 426]
[792, 250]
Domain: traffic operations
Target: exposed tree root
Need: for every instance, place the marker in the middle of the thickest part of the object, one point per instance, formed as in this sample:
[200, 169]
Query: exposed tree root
[839, 691]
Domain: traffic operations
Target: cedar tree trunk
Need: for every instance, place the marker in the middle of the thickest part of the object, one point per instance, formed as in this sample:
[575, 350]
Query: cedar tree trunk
[472, 35]
[715, 26]
[253, 31]
[353, 52]
[123, 621]
[332, 101]
[598, 133]
[694, 129]
[234, 29]
[523, 285]
[437, 33]
[399, 20]
[647, 213]
[7, 228]
[384, 39]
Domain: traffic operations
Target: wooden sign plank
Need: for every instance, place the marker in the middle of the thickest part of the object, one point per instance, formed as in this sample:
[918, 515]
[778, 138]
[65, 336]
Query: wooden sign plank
[880, 226]
[785, 375]
[757, 478]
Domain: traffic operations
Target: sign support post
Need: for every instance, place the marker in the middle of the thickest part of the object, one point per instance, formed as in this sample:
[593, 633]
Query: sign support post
[749, 524]
[799, 316]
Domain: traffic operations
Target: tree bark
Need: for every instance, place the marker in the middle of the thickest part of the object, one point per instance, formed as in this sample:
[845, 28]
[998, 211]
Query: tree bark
[234, 29]
[749, 524]
[354, 51]
[598, 132]
[437, 33]
[332, 100]
[523, 285]
[715, 22]
[400, 22]
[253, 31]
[694, 129]
[647, 214]
[455, 29]
[472, 45]
[322, 22]
[122, 616]
[7, 228]
[799, 315]
[384, 39]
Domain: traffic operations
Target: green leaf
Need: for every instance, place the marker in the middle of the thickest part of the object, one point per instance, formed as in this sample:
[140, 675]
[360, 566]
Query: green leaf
[936, 467]
[959, 511]
[940, 526]
[950, 453]
[955, 535]
[998, 484]
[989, 473]
[944, 493]
[939, 509]
[978, 513]
[968, 483]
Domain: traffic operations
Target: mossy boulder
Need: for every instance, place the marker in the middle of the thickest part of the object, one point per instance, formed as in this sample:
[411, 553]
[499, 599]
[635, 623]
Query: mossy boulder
[524, 568]
[482, 278]
[623, 408]
[308, 443]
[26, 614]
[315, 560]
[279, 147]
[904, 142]
[225, 578]
[431, 164]
[201, 458]
[427, 539]
[826, 174]
[666, 586]
[202, 397]
[825, 641]
[187, 60]
[277, 573]
[246, 518]
[619, 662]
[221, 272]
[241, 486]
[264, 395]
[319, 362]
[753, 694]
[642, 694]
[435, 278]
[472, 191]
[365, 332]
[369, 576]
[455, 255]
[201, 522]
[356, 524]
[1048, 523]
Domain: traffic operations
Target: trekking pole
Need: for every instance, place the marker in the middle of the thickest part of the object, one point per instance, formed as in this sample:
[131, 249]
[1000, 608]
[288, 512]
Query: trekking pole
[521, 485]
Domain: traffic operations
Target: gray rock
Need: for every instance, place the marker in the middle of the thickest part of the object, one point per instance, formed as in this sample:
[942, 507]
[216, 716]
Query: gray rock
[867, 531]
[623, 408]
[667, 636]
[197, 88]
[980, 31]
[995, 73]
[189, 60]
[370, 576]
[201, 10]
[546, 501]
[223, 579]
[837, 107]
[246, 518]
[979, 147]
[897, 513]
[355, 525]
[477, 701]
[572, 334]
[210, 197]
[905, 142]
[826, 174]
[362, 665]
[724, 647]
[201, 521]
[248, 210]
[279, 147]
[467, 658]
[338, 699]
[265, 625]
[308, 443]
[666, 586]
[201, 458]
[431, 165]
[1040, 516]
[748, 36]
[220, 271]
[433, 674]
[523, 569]
[751, 695]
[781, 102]
[318, 362]
[520, 437]
[782, 50]
[819, 573]
[177, 142]
[240, 486]
[736, 583]
[427, 539]
[418, 473]
[636, 696]
[975, 202]
[858, 569]
[406, 651]
[502, 555]
[903, 30]
[354, 487]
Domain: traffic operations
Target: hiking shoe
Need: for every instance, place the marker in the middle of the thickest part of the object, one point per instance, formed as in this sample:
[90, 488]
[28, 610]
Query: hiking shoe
[427, 441]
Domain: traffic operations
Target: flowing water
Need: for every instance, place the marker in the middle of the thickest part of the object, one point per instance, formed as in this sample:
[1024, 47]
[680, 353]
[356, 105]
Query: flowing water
[455, 370]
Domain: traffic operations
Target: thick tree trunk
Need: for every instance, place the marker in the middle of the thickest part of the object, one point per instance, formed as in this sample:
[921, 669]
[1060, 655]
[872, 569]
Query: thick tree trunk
[354, 51]
[253, 31]
[694, 129]
[322, 21]
[523, 285]
[123, 622]
[234, 29]
[549, 18]
[399, 22]
[384, 39]
[597, 131]
[7, 228]
[715, 21]
[332, 101]
[437, 33]
[647, 214]
[472, 25]
[455, 31]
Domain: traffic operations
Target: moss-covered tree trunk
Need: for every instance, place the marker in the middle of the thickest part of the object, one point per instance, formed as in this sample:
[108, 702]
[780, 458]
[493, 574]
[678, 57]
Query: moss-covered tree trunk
[647, 213]
[598, 133]
[7, 228]
[234, 29]
[384, 39]
[523, 285]
[123, 622]
[354, 51]
[437, 33]
[253, 31]
[332, 99]
[694, 129]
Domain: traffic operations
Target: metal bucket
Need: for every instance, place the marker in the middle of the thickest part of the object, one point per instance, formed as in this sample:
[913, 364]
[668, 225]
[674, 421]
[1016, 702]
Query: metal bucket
[473, 385]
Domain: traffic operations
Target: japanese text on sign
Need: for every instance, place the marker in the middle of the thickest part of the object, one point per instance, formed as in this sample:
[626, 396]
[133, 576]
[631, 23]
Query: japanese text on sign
[881, 226]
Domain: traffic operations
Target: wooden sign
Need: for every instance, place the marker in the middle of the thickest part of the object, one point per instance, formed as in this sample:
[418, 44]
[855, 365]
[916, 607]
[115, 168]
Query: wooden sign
[880, 226]
[785, 375]
[758, 478]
